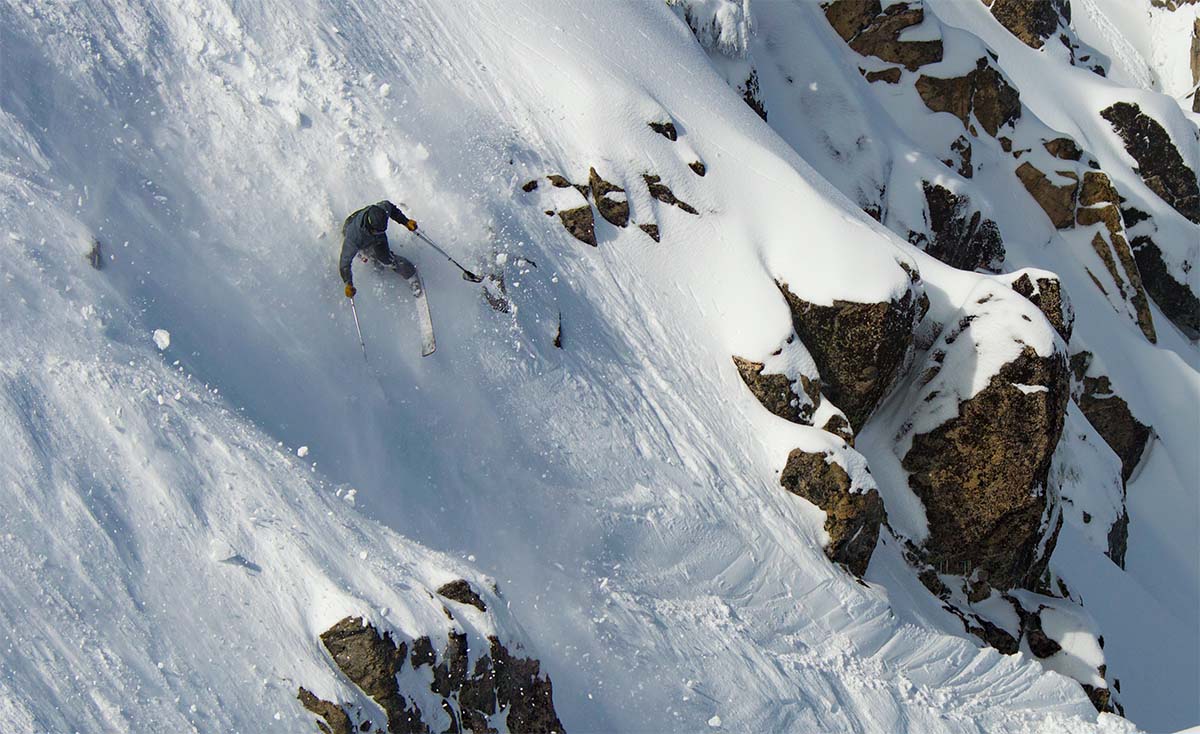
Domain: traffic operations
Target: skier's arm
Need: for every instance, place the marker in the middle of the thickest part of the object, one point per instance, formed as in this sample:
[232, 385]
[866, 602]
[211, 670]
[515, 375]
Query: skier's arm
[398, 216]
[344, 263]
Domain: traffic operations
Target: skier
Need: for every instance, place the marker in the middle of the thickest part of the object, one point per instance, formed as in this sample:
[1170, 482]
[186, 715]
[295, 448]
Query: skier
[366, 231]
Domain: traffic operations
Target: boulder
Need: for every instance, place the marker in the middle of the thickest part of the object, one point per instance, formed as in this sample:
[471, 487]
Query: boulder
[1032, 22]
[858, 348]
[371, 661]
[460, 591]
[580, 223]
[1057, 201]
[981, 475]
[852, 519]
[335, 720]
[776, 392]
[872, 31]
[959, 236]
[1109, 414]
[665, 129]
[984, 92]
[651, 230]
[1159, 163]
[698, 168]
[1050, 298]
[610, 199]
[663, 193]
[1063, 149]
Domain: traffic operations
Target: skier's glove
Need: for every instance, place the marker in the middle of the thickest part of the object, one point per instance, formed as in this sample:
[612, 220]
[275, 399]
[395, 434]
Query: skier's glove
[412, 225]
[350, 291]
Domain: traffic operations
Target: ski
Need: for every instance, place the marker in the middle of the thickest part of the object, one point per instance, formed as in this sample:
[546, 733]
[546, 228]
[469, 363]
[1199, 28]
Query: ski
[418, 290]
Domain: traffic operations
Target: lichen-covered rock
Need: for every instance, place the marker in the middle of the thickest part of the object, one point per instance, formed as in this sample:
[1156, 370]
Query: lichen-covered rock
[1031, 21]
[335, 720]
[891, 75]
[1159, 163]
[460, 591]
[984, 92]
[775, 392]
[873, 31]
[1129, 287]
[981, 475]
[371, 661]
[580, 223]
[858, 347]
[1048, 295]
[610, 199]
[1057, 201]
[1063, 149]
[663, 193]
[1176, 299]
[958, 236]
[852, 519]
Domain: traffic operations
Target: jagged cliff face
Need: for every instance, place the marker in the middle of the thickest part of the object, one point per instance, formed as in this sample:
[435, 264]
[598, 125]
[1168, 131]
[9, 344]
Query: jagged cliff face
[1000, 456]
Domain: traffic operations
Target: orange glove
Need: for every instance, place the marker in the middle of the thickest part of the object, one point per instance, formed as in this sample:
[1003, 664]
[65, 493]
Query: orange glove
[412, 225]
[350, 291]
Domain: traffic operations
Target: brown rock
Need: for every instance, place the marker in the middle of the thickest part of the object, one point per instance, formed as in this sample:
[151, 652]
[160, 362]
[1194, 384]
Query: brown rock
[698, 168]
[1039, 643]
[580, 223]
[615, 210]
[775, 392]
[1130, 290]
[1048, 296]
[530, 186]
[839, 426]
[650, 229]
[980, 475]
[850, 17]
[336, 720]
[1032, 22]
[1118, 539]
[858, 347]
[983, 92]
[1098, 189]
[1057, 201]
[559, 182]
[891, 75]
[371, 662]
[460, 591]
[962, 148]
[1159, 163]
[1063, 149]
[663, 193]
[527, 694]
[1109, 414]
[665, 129]
[852, 519]
[881, 36]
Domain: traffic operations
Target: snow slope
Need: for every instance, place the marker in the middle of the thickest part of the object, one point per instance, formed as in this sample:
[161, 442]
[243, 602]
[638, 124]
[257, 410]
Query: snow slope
[169, 561]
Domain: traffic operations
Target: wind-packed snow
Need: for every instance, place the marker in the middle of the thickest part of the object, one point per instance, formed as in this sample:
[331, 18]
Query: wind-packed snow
[172, 549]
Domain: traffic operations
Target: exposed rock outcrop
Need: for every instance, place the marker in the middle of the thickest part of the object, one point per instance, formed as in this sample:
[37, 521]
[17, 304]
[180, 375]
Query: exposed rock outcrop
[981, 475]
[651, 230]
[460, 591]
[580, 223]
[1031, 21]
[984, 93]
[665, 129]
[852, 519]
[1058, 201]
[776, 393]
[610, 199]
[334, 719]
[1176, 299]
[1048, 295]
[500, 686]
[858, 347]
[873, 31]
[371, 661]
[1109, 414]
[958, 236]
[663, 193]
[1159, 163]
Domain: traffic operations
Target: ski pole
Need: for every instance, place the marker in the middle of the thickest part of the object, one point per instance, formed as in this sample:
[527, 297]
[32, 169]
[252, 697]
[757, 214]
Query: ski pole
[358, 328]
[466, 274]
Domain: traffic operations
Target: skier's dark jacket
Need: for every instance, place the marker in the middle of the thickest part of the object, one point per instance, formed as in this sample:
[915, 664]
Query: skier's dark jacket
[358, 238]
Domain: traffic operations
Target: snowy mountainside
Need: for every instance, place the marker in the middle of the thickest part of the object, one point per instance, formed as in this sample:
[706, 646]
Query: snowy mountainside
[616, 503]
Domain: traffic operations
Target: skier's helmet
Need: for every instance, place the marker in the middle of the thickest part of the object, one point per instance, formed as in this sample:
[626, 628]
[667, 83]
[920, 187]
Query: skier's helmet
[377, 219]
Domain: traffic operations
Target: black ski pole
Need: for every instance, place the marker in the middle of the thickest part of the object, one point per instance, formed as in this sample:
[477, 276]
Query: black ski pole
[466, 274]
